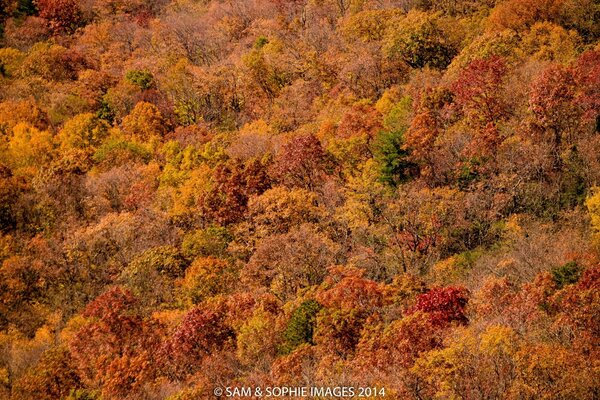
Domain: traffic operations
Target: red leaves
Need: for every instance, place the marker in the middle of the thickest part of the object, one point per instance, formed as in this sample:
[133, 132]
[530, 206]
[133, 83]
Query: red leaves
[551, 94]
[580, 305]
[478, 91]
[478, 88]
[63, 15]
[587, 75]
[301, 163]
[110, 304]
[234, 183]
[561, 95]
[444, 305]
[116, 349]
[203, 331]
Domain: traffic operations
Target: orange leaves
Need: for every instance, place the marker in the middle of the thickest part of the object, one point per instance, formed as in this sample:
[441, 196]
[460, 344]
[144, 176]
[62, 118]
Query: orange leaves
[421, 135]
[145, 122]
[519, 14]
[346, 289]
[116, 349]
[360, 120]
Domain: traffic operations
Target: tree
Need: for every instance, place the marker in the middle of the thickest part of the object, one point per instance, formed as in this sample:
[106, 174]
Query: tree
[28, 148]
[208, 277]
[233, 184]
[302, 162]
[116, 348]
[145, 122]
[288, 262]
[593, 205]
[63, 15]
[54, 376]
[390, 151]
[11, 189]
[387, 353]
[151, 275]
[444, 305]
[472, 365]
[279, 210]
[24, 289]
[420, 40]
[521, 14]
[83, 131]
[346, 289]
[142, 79]
[202, 332]
[551, 102]
[478, 92]
[301, 326]
[587, 76]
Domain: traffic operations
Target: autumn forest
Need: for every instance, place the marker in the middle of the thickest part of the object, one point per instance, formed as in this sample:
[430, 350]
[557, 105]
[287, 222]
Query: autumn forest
[206, 194]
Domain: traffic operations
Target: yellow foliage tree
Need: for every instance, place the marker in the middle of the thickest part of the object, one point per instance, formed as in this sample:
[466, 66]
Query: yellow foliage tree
[145, 122]
[82, 131]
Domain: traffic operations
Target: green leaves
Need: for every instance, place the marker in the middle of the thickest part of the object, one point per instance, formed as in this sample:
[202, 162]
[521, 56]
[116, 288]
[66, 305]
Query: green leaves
[301, 326]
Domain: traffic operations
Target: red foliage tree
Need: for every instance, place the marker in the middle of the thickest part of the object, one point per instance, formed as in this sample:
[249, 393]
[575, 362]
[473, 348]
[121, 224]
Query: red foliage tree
[234, 183]
[351, 291]
[202, 332]
[301, 163]
[551, 102]
[116, 349]
[587, 77]
[63, 15]
[478, 91]
[444, 305]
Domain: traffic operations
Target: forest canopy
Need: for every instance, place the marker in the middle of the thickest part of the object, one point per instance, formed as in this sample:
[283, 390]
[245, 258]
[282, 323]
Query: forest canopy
[401, 194]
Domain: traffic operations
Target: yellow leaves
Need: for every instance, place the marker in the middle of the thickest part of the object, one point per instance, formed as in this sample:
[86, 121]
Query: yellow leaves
[551, 371]
[72, 327]
[45, 60]
[549, 42]
[512, 227]
[472, 363]
[497, 340]
[422, 39]
[593, 205]
[20, 352]
[145, 122]
[10, 61]
[206, 278]
[4, 377]
[14, 112]
[83, 131]
[279, 209]
[28, 149]
[364, 197]
[388, 100]
[256, 341]
[182, 201]
[370, 25]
